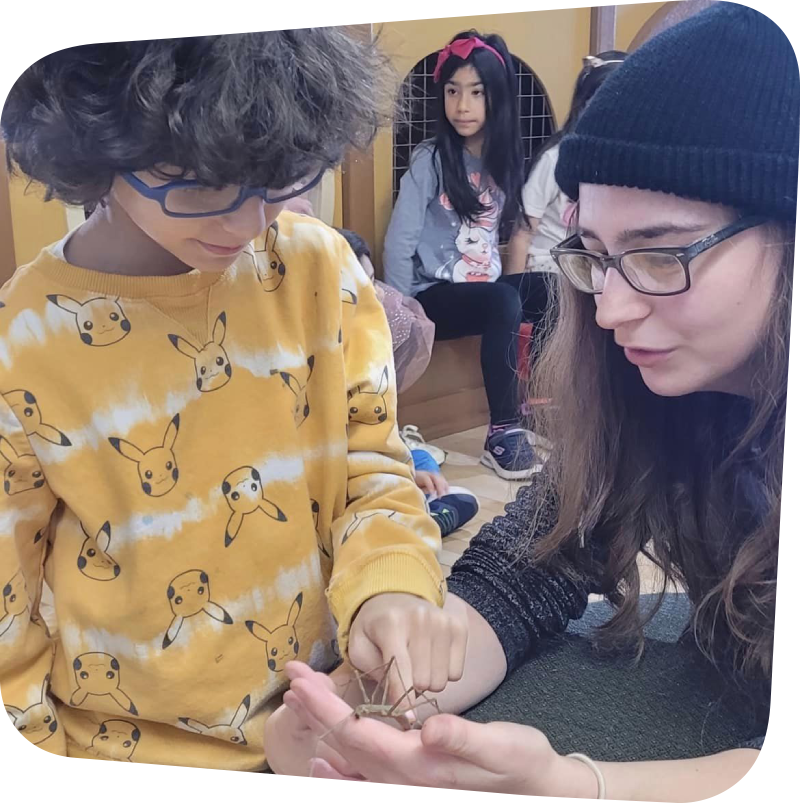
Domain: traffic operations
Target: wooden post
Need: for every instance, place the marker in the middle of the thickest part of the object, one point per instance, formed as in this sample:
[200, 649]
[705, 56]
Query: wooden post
[603, 29]
[8, 261]
[358, 179]
[665, 17]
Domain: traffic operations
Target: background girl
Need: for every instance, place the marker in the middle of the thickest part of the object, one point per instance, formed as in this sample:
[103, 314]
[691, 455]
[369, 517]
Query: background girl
[461, 190]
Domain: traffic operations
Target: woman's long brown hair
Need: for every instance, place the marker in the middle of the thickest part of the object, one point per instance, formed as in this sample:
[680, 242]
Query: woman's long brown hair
[645, 473]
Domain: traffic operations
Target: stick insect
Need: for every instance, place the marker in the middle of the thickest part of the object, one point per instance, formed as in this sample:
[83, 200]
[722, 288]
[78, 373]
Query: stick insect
[376, 704]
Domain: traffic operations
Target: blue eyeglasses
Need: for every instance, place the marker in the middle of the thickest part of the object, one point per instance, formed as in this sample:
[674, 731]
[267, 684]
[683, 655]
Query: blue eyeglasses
[189, 198]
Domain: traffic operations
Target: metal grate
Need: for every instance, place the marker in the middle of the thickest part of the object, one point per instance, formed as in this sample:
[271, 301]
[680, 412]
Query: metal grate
[418, 96]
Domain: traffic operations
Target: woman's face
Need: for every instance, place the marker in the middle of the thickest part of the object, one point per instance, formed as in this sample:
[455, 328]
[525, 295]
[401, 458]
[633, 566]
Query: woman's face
[701, 340]
[465, 102]
[208, 244]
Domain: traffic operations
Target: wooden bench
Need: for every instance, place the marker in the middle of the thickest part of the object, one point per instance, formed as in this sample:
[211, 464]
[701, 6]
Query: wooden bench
[449, 397]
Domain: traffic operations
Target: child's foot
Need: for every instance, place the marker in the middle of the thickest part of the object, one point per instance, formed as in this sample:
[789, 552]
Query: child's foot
[509, 452]
[454, 509]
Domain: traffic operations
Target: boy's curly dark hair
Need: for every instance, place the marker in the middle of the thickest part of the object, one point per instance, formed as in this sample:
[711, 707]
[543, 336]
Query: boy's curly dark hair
[256, 109]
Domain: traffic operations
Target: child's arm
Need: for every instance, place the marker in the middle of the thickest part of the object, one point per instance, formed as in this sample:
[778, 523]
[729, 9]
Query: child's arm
[417, 190]
[26, 651]
[290, 744]
[539, 192]
[518, 245]
[387, 587]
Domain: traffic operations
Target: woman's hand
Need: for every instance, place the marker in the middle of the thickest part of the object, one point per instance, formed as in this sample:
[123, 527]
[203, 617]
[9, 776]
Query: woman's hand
[290, 745]
[449, 752]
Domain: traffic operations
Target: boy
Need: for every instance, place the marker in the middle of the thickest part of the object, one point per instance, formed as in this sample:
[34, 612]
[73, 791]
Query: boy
[180, 464]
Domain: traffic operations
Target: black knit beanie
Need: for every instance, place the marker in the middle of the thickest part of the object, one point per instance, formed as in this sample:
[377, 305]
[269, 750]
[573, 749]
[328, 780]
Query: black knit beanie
[709, 109]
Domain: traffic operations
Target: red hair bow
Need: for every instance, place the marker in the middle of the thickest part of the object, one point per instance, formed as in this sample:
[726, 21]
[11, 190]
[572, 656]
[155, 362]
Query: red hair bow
[461, 48]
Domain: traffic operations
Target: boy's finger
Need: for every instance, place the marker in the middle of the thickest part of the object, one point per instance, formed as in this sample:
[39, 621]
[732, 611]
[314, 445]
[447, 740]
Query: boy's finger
[440, 484]
[440, 662]
[420, 651]
[424, 482]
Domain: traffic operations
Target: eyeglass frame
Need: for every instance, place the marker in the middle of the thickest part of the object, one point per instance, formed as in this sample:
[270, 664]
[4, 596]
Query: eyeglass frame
[245, 193]
[684, 254]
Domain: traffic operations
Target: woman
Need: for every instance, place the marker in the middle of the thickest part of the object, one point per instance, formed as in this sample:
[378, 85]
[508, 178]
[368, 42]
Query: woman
[669, 437]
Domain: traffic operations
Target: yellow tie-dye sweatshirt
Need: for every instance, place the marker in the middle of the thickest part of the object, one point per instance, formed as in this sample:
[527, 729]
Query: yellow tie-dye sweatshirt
[205, 471]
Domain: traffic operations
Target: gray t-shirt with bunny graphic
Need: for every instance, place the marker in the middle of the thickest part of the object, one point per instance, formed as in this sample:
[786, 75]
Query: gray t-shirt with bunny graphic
[427, 243]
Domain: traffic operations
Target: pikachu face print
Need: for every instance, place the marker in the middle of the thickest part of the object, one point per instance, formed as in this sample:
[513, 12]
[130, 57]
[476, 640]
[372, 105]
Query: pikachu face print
[315, 516]
[369, 407]
[348, 292]
[100, 321]
[226, 732]
[38, 722]
[301, 408]
[116, 739]
[25, 407]
[94, 561]
[281, 643]
[14, 601]
[358, 520]
[158, 468]
[23, 472]
[272, 272]
[245, 495]
[212, 367]
[190, 593]
[97, 673]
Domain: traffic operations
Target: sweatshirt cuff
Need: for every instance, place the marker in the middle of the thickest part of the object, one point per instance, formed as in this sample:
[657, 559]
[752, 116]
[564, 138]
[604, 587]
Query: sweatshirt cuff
[397, 572]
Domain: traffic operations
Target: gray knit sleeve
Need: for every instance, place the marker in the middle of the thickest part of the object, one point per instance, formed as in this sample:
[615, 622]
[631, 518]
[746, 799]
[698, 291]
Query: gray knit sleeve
[417, 190]
[522, 603]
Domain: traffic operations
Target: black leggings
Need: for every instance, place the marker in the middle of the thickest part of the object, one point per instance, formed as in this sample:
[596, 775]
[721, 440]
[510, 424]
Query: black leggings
[494, 310]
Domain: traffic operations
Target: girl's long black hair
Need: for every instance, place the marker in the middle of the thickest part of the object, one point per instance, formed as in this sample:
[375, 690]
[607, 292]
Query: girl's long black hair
[502, 147]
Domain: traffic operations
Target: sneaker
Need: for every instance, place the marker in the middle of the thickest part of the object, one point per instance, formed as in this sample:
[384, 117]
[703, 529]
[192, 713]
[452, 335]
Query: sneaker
[510, 454]
[413, 440]
[454, 509]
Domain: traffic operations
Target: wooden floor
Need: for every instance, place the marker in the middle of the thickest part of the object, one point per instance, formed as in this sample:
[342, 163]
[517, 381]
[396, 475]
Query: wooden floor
[462, 467]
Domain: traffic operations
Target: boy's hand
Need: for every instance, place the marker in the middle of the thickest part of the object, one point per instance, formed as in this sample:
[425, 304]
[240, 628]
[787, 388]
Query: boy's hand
[428, 643]
[431, 484]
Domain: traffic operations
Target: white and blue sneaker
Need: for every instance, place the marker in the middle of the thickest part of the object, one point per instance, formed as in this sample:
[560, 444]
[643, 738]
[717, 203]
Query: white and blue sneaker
[453, 510]
[510, 453]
